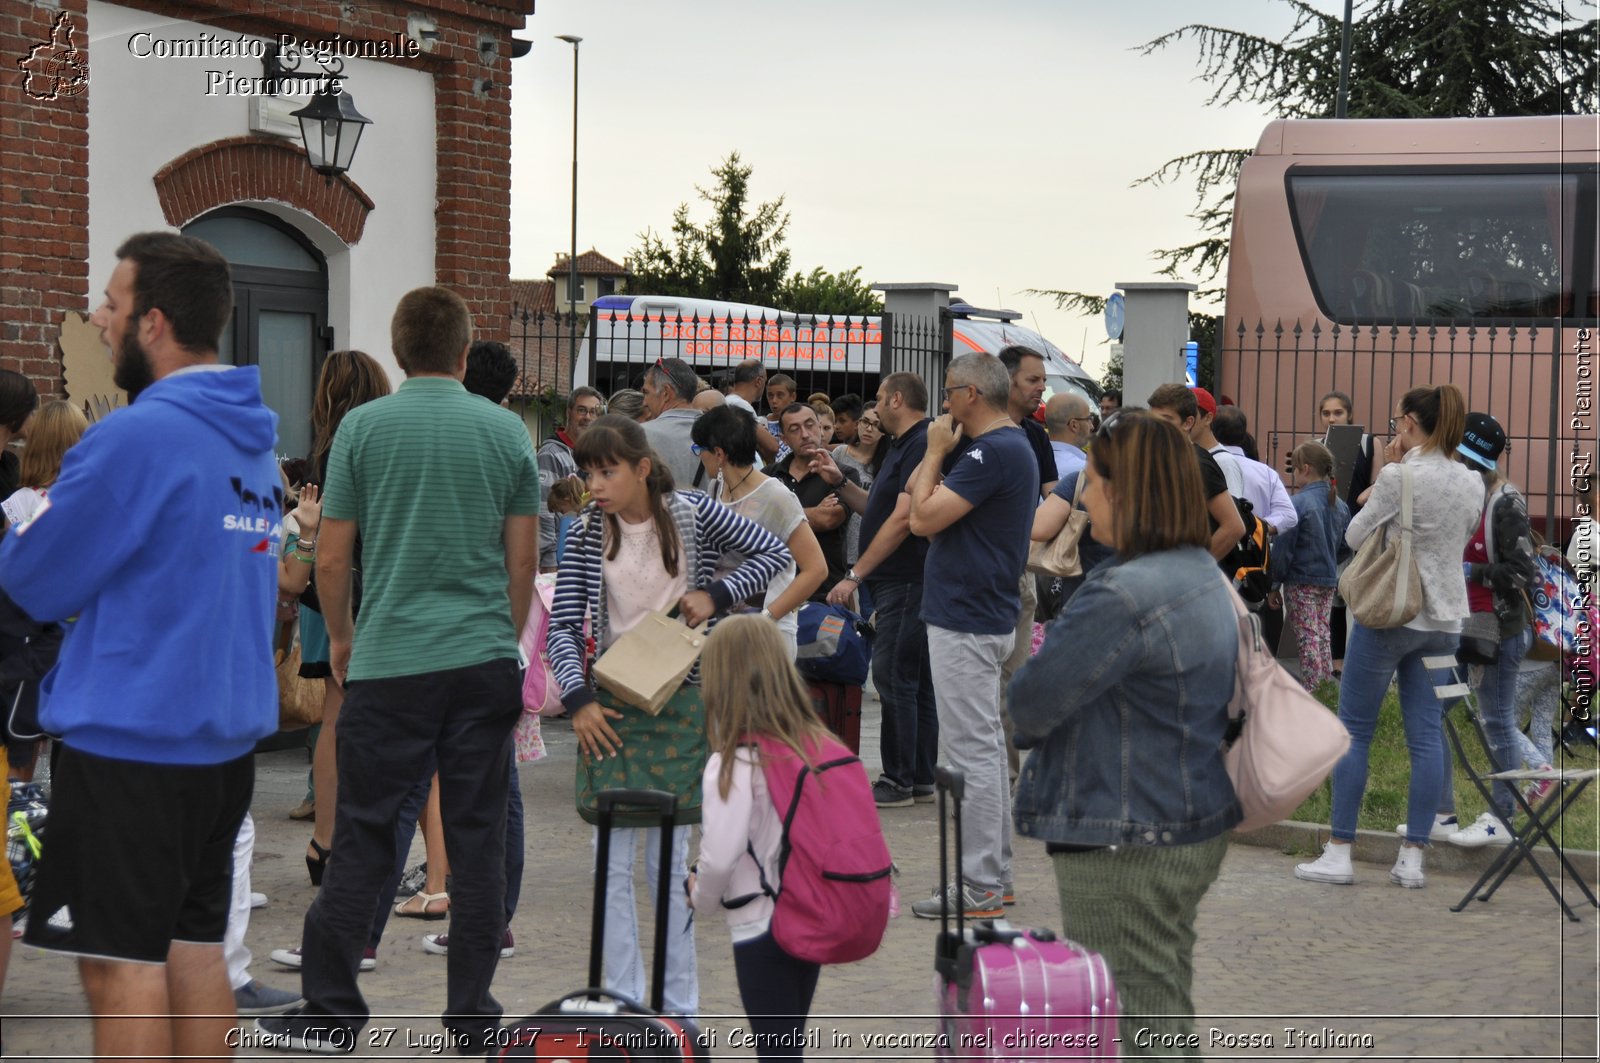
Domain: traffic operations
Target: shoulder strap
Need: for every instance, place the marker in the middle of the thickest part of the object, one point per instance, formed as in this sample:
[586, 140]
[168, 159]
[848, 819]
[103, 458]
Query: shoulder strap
[1402, 583]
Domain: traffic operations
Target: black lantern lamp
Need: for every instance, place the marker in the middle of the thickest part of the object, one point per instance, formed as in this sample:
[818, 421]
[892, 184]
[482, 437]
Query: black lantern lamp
[331, 127]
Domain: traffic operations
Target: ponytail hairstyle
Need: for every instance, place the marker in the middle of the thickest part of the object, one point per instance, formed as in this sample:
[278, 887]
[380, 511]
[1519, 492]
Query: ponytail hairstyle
[1442, 414]
[617, 440]
[1320, 458]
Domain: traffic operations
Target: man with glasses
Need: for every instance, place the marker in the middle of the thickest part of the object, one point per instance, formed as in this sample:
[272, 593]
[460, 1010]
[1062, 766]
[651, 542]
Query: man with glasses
[555, 463]
[1067, 419]
[976, 509]
[670, 386]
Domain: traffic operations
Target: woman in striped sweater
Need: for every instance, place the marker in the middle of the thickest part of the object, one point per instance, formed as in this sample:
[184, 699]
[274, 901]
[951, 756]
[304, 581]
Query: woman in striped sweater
[641, 546]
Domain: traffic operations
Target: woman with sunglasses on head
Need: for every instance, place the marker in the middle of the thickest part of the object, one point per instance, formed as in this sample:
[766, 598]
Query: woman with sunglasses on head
[1447, 503]
[1124, 780]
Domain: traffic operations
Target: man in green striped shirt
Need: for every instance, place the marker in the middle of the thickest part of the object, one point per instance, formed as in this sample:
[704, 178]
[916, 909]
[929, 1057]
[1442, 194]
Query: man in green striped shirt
[444, 489]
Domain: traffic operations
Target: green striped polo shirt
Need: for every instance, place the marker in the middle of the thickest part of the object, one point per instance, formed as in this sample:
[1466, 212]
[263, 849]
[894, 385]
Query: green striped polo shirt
[429, 475]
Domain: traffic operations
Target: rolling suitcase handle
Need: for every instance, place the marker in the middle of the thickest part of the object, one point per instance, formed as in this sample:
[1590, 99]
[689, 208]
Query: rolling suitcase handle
[606, 801]
[949, 781]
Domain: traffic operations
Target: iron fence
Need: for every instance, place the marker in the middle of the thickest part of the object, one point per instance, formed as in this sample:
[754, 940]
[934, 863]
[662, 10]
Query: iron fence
[836, 355]
[1535, 379]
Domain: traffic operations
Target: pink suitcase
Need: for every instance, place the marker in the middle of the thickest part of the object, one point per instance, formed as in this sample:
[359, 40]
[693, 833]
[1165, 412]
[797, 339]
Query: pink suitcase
[1013, 994]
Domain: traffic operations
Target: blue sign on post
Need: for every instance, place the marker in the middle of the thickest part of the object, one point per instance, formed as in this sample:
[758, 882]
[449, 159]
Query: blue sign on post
[1116, 314]
[1191, 363]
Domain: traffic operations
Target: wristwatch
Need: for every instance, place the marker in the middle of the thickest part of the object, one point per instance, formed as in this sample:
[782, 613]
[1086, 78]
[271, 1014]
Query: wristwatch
[852, 577]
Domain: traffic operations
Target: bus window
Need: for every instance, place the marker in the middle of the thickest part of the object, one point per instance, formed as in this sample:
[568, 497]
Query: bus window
[1436, 247]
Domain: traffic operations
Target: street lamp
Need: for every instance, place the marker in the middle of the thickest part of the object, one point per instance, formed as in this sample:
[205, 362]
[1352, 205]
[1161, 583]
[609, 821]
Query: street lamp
[331, 127]
[572, 258]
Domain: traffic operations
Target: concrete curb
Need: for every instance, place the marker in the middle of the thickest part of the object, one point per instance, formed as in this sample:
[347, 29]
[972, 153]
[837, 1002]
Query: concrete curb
[1378, 847]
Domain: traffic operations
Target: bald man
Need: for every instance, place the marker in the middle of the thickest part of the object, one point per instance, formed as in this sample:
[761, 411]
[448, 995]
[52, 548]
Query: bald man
[1067, 419]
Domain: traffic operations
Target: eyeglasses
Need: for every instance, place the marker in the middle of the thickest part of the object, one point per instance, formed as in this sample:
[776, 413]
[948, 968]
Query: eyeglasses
[696, 449]
[589, 411]
[957, 387]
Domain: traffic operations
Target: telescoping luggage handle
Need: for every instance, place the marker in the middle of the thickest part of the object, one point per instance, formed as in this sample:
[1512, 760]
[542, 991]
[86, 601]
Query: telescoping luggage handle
[606, 801]
[949, 781]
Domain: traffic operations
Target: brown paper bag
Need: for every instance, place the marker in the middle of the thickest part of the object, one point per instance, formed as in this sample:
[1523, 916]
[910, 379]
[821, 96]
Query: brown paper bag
[648, 664]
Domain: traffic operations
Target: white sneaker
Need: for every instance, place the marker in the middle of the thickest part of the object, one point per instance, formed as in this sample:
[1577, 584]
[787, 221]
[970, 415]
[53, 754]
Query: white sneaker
[1485, 830]
[1332, 866]
[1407, 869]
[1443, 827]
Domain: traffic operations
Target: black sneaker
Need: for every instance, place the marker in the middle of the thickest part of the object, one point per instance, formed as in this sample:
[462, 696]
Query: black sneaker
[886, 794]
[294, 1032]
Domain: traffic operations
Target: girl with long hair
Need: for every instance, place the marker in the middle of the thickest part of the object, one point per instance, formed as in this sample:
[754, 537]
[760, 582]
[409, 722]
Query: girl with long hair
[751, 690]
[56, 427]
[348, 379]
[1447, 501]
[641, 547]
[1305, 559]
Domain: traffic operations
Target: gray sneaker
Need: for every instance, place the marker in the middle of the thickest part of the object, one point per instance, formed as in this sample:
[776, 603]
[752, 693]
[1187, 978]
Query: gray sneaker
[253, 998]
[923, 795]
[886, 794]
[976, 903]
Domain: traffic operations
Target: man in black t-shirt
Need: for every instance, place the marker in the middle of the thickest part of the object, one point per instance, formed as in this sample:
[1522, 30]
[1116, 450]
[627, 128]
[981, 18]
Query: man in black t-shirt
[892, 562]
[1227, 527]
[802, 433]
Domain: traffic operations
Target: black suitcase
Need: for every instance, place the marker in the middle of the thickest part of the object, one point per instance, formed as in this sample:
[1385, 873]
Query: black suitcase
[596, 1023]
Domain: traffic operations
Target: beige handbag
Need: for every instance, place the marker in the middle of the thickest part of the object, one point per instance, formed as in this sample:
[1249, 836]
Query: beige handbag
[1059, 556]
[1381, 586]
[649, 662]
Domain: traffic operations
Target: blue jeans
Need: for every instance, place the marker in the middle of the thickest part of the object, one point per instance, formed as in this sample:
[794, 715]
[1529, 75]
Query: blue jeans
[1538, 693]
[624, 964]
[1497, 704]
[909, 740]
[1372, 658]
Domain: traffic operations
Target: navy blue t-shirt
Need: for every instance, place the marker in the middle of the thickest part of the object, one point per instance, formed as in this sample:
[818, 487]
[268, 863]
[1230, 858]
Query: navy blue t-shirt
[905, 454]
[970, 581]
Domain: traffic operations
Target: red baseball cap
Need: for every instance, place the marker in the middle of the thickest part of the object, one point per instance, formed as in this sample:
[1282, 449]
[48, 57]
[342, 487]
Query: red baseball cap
[1203, 399]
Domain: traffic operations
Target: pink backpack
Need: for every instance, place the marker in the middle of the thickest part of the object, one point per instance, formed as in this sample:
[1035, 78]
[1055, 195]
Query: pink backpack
[834, 891]
[540, 692]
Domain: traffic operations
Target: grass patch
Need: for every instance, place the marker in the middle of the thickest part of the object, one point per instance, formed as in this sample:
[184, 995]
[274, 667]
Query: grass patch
[1389, 781]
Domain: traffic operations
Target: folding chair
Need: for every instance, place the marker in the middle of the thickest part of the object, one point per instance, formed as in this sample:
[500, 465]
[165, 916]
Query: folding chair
[1541, 819]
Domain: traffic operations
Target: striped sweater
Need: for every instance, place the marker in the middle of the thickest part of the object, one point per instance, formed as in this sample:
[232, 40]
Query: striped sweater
[706, 530]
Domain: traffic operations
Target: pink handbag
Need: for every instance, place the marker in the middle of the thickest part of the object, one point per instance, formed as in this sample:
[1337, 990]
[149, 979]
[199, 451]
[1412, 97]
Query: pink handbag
[541, 694]
[1282, 742]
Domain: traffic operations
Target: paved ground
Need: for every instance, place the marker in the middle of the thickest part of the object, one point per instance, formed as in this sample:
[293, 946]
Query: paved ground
[1309, 972]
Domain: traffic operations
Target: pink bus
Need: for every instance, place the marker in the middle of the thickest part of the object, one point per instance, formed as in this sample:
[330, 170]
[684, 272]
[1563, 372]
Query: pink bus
[1371, 256]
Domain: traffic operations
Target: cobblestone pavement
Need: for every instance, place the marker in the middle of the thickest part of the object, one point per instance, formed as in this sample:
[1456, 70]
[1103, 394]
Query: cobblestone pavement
[1284, 969]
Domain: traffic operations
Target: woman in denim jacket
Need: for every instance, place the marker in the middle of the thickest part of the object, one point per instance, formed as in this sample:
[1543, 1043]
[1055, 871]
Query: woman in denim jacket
[1305, 560]
[1125, 709]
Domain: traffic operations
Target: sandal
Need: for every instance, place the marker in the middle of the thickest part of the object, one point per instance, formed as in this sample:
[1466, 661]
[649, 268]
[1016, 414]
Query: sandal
[410, 911]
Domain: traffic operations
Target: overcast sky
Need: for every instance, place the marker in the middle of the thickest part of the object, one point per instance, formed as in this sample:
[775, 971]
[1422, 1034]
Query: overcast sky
[987, 144]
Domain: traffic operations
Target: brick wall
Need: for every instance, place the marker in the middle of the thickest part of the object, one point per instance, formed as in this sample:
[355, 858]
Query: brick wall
[44, 159]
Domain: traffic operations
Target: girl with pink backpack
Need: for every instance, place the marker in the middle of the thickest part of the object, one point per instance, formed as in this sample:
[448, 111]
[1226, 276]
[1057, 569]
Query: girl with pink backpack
[790, 843]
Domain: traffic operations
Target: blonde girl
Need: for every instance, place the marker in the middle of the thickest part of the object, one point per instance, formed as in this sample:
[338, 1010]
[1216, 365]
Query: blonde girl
[1305, 559]
[752, 690]
[56, 427]
[640, 547]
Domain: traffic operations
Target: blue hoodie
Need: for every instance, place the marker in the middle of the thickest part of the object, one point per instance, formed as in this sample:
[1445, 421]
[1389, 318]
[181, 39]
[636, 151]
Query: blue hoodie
[162, 538]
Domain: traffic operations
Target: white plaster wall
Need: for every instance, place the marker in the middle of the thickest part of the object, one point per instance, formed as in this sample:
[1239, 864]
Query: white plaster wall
[145, 112]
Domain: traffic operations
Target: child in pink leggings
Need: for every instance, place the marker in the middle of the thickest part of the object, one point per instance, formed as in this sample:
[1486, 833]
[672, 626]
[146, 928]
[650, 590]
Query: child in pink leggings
[1305, 559]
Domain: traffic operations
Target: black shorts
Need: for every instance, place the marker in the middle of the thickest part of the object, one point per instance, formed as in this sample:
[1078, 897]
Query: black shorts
[137, 856]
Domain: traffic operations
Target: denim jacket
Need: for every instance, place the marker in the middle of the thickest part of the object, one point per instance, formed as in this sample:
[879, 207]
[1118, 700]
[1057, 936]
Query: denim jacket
[1308, 553]
[1125, 708]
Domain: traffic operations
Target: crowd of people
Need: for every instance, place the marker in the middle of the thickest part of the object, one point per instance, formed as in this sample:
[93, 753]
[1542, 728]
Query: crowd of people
[409, 572]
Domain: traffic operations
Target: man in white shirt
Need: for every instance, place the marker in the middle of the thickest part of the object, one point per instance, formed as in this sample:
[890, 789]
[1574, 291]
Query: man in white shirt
[748, 387]
[1263, 487]
[1067, 419]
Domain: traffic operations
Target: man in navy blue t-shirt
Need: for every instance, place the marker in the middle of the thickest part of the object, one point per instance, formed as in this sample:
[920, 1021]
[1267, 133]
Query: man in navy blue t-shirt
[977, 511]
[892, 562]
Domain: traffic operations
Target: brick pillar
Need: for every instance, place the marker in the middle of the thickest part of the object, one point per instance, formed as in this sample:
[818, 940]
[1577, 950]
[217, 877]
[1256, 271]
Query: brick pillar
[44, 190]
[473, 256]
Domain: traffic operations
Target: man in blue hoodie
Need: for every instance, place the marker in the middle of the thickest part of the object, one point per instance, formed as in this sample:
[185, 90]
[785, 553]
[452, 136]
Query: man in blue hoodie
[160, 542]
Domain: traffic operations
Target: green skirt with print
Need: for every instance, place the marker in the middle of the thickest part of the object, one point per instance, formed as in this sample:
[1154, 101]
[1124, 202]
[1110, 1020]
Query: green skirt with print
[663, 752]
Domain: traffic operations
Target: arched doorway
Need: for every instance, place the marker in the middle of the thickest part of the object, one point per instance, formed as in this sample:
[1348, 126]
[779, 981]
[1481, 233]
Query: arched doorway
[280, 312]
